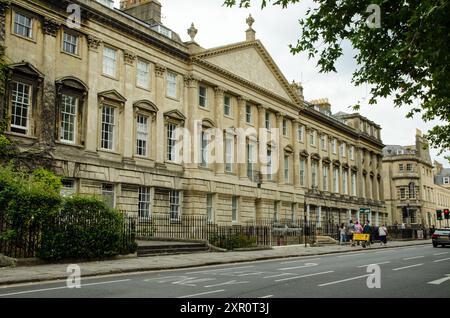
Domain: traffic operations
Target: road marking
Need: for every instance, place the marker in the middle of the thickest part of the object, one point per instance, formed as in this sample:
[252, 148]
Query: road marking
[231, 282]
[252, 273]
[296, 267]
[343, 280]
[220, 269]
[205, 293]
[440, 281]
[437, 254]
[352, 254]
[441, 260]
[411, 266]
[361, 266]
[284, 274]
[302, 260]
[303, 276]
[415, 257]
[62, 287]
[268, 296]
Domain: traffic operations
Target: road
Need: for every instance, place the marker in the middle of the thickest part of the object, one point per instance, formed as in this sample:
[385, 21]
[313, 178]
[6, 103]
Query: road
[419, 271]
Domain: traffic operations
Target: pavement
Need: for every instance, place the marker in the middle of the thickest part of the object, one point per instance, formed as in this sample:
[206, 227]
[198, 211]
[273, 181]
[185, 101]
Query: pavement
[51, 272]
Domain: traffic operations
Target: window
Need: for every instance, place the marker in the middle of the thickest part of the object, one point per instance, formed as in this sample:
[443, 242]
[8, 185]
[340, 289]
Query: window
[250, 162]
[108, 194]
[269, 164]
[143, 74]
[345, 181]
[23, 25]
[174, 198]
[68, 188]
[248, 114]
[314, 176]
[276, 215]
[144, 203]
[171, 84]
[285, 131]
[401, 167]
[334, 146]
[302, 172]
[402, 193]
[70, 43]
[141, 135]
[336, 180]
[171, 141]
[109, 61]
[69, 109]
[202, 96]
[204, 149]
[293, 211]
[312, 137]
[323, 142]
[162, 30]
[20, 108]
[229, 154]
[343, 149]
[227, 105]
[301, 133]
[354, 183]
[108, 127]
[409, 167]
[209, 208]
[446, 180]
[234, 209]
[286, 169]
[325, 170]
[267, 120]
[351, 152]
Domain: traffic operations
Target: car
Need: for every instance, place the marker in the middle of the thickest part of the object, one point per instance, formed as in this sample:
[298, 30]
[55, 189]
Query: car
[441, 237]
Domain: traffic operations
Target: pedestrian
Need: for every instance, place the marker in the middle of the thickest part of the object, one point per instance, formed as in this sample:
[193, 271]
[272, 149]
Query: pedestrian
[343, 234]
[350, 231]
[367, 230]
[383, 232]
[358, 229]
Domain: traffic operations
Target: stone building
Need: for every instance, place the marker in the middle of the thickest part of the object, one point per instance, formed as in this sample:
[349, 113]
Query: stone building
[411, 195]
[108, 93]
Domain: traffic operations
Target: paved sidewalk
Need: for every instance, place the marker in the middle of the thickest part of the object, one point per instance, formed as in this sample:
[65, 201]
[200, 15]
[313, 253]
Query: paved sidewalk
[38, 273]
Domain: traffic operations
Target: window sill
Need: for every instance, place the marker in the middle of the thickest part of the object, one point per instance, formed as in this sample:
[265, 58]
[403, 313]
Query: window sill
[204, 108]
[142, 158]
[144, 88]
[61, 143]
[72, 55]
[174, 98]
[13, 134]
[101, 150]
[32, 40]
[111, 77]
[228, 116]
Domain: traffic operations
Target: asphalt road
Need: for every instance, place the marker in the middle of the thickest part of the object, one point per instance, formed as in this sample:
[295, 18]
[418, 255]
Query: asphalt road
[419, 271]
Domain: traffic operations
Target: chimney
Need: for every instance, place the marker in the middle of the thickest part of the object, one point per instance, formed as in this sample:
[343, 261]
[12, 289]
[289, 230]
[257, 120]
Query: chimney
[322, 103]
[148, 11]
[298, 88]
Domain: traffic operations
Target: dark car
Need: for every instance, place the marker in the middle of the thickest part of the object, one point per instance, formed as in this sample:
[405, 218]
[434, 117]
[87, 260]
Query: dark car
[441, 237]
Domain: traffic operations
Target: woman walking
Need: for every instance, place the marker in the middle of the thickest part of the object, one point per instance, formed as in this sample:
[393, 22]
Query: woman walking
[382, 233]
[343, 232]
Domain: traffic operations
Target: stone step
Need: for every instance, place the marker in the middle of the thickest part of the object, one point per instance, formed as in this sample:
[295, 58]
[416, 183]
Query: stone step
[173, 248]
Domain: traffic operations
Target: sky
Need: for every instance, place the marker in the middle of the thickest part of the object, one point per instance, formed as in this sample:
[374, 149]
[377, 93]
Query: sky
[276, 28]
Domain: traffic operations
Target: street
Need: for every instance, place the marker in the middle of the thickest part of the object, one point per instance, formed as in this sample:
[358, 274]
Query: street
[420, 271]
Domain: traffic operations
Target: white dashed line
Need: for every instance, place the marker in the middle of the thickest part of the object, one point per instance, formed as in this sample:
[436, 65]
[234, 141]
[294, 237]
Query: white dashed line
[303, 276]
[361, 266]
[205, 293]
[441, 260]
[343, 280]
[411, 266]
[415, 257]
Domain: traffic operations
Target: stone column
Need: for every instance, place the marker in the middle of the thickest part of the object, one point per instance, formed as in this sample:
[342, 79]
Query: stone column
[218, 116]
[308, 162]
[160, 126]
[319, 216]
[49, 117]
[128, 127]
[349, 215]
[92, 105]
[308, 212]
[190, 109]
[152, 199]
[280, 149]
[260, 126]
[296, 156]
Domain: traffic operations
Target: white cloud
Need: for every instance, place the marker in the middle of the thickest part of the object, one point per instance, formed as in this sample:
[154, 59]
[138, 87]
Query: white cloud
[277, 28]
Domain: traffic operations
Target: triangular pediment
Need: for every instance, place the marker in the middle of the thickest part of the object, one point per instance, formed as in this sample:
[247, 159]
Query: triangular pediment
[251, 62]
[175, 115]
[113, 95]
[26, 69]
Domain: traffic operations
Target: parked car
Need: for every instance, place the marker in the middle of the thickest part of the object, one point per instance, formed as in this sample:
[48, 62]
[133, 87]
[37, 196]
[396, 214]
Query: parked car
[441, 237]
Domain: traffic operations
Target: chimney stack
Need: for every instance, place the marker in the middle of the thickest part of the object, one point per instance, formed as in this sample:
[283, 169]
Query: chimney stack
[148, 11]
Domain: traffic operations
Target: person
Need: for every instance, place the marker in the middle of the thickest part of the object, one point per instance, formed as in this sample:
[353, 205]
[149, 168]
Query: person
[350, 231]
[382, 233]
[358, 229]
[343, 232]
[367, 230]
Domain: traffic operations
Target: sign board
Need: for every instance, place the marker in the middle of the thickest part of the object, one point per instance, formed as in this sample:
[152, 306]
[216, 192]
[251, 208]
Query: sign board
[364, 210]
[361, 237]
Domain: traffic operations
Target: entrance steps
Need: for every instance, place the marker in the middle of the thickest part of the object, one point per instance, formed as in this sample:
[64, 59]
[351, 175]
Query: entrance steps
[151, 248]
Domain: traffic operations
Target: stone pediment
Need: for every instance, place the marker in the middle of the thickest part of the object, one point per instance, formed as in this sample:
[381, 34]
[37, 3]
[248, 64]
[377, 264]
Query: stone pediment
[175, 115]
[26, 69]
[112, 95]
[146, 105]
[251, 62]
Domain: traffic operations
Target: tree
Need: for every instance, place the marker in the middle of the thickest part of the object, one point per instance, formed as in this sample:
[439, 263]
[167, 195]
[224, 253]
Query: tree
[402, 51]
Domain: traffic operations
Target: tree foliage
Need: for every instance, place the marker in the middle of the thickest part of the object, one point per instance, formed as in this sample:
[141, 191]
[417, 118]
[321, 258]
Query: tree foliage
[407, 57]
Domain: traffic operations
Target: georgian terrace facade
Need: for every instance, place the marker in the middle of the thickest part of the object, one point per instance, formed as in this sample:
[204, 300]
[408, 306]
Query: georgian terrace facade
[108, 98]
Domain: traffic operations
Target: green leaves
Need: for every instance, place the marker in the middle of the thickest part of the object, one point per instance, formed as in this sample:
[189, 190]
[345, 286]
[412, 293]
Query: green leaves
[407, 57]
